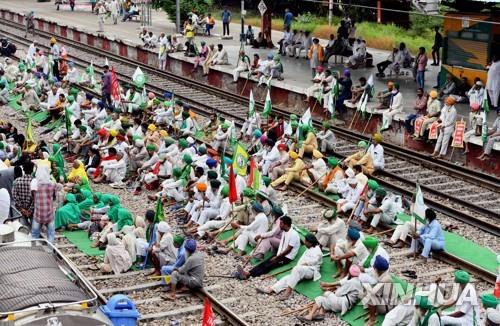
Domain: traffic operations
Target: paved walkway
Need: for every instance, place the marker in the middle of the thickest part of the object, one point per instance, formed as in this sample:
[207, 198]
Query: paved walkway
[297, 71]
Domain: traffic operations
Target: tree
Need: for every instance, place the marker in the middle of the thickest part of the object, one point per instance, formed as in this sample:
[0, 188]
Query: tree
[200, 7]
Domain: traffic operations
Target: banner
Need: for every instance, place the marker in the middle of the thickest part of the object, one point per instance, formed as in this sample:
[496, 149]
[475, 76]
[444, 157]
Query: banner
[433, 130]
[458, 134]
[240, 160]
[418, 125]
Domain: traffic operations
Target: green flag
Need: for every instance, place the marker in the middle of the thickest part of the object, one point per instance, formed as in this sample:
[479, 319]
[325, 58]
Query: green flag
[268, 105]
[486, 108]
[159, 212]
[251, 105]
[67, 120]
[139, 78]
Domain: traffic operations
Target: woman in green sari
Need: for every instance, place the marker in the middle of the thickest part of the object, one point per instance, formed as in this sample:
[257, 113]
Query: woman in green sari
[69, 213]
[124, 218]
[114, 203]
[89, 201]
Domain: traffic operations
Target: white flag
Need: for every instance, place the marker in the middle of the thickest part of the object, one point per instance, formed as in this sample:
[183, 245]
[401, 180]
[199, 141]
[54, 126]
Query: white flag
[419, 207]
[144, 95]
[306, 118]
[106, 63]
[251, 105]
[138, 77]
[331, 104]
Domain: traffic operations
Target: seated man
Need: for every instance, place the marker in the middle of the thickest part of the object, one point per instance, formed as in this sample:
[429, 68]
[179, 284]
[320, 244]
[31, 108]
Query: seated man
[357, 91]
[466, 310]
[292, 173]
[430, 235]
[310, 143]
[191, 274]
[132, 11]
[327, 139]
[433, 112]
[379, 300]
[349, 251]
[329, 232]
[269, 241]
[381, 208]
[346, 295]
[287, 251]
[493, 137]
[180, 257]
[249, 233]
[358, 54]
[307, 268]
[221, 56]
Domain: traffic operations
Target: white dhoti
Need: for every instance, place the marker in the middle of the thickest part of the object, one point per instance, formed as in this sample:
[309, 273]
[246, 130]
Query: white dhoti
[212, 225]
[381, 217]
[400, 315]
[346, 205]
[327, 239]
[456, 321]
[443, 140]
[114, 175]
[290, 281]
[245, 238]
[207, 214]
[387, 117]
[401, 232]
[330, 302]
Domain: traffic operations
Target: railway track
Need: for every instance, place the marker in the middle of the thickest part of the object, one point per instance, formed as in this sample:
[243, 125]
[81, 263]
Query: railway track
[237, 297]
[469, 196]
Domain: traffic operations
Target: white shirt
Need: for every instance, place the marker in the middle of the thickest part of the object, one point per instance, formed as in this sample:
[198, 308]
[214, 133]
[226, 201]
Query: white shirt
[4, 205]
[465, 306]
[377, 153]
[312, 257]
[290, 238]
[259, 225]
[397, 102]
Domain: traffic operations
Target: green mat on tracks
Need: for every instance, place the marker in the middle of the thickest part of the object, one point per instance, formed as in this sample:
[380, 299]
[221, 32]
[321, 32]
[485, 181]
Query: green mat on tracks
[81, 240]
[466, 249]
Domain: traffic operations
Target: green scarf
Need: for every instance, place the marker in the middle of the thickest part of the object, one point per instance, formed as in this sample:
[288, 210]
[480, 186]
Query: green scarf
[428, 315]
[368, 260]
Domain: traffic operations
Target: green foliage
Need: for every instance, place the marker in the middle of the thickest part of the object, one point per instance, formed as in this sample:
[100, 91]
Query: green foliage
[201, 7]
[423, 25]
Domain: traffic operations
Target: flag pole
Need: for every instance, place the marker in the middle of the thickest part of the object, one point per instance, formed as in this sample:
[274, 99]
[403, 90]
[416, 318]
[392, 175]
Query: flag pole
[415, 218]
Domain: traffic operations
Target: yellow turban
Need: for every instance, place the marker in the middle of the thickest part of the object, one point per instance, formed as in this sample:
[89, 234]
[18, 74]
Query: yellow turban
[163, 133]
[293, 155]
[377, 137]
[152, 127]
[113, 132]
[433, 94]
[53, 40]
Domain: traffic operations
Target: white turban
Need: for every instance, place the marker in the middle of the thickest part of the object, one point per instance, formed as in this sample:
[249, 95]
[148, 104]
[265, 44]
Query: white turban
[163, 227]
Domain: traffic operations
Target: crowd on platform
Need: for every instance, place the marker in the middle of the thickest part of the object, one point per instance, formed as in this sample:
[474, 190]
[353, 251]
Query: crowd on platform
[196, 170]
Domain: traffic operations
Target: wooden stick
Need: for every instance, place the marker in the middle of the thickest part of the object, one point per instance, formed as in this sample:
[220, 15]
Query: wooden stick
[354, 117]
[382, 232]
[245, 85]
[224, 228]
[250, 256]
[312, 184]
[367, 122]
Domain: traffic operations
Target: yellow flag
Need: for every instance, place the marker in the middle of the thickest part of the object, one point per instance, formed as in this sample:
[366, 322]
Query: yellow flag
[30, 138]
[240, 159]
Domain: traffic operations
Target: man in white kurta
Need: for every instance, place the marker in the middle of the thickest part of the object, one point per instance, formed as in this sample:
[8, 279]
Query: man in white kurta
[446, 127]
[307, 268]
[329, 232]
[493, 82]
[257, 227]
[115, 172]
[395, 107]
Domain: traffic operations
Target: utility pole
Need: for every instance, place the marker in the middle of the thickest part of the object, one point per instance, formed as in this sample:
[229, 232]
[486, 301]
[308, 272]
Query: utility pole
[243, 12]
[178, 15]
[330, 12]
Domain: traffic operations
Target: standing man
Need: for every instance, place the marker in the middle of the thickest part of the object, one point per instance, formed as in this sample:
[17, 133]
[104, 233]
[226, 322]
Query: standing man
[421, 63]
[493, 81]
[446, 127]
[226, 19]
[44, 193]
[438, 43]
[101, 13]
[114, 8]
[106, 87]
[287, 19]
[30, 24]
[21, 192]
[55, 52]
